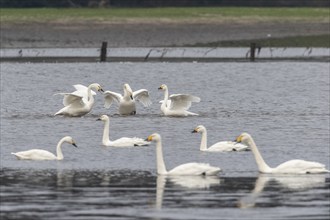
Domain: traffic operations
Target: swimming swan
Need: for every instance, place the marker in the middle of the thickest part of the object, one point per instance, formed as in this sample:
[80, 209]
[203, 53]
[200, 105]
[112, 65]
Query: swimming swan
[121, 142]
[38, 154]
[290, 167]
[176, 104]
[79, 102]
[127, 102]
[222, 146]
[189, 169]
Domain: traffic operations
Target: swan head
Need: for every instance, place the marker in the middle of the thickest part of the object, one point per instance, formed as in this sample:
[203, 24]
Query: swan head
[154, 137]
[96, 86]
[103, 118]
[199, 129]
[70, 140]
[243, 138]
[162, 87]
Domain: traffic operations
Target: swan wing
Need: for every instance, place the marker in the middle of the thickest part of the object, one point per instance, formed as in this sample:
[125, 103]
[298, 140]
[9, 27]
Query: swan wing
[225, 146]
[142, 96]
[110, 97]
[182, 101]
[83, 89]
[195, 169]
[35, 154]
[71, 98]
[240, 147]
[300, 167]
[129, 142]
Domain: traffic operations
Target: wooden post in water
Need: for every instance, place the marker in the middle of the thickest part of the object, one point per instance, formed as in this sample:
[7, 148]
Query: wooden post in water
[103, 54]
[252, 51]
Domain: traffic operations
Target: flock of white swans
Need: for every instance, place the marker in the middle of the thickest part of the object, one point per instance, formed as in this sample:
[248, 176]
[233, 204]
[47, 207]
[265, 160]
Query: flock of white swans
[81, 101]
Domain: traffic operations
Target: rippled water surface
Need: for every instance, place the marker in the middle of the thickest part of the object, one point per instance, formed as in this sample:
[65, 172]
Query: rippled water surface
[283, 105]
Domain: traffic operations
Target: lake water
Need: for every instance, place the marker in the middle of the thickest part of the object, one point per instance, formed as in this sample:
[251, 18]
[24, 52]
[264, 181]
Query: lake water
[283, 105]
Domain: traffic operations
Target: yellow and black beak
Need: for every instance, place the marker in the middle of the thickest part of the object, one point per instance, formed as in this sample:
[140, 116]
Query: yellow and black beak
[149, 138]
[238, 139]
[194, 131]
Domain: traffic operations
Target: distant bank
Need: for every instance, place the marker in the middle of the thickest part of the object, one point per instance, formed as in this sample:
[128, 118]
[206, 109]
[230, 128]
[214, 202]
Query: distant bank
[162, 3]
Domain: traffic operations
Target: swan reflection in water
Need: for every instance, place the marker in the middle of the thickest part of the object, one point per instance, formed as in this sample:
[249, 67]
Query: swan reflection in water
[189, 182]
[284, 181]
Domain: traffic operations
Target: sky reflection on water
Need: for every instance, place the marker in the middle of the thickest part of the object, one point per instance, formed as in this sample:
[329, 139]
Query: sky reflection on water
[76, 194]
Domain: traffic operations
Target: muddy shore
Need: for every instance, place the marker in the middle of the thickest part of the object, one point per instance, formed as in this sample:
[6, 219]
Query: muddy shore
[160, 34]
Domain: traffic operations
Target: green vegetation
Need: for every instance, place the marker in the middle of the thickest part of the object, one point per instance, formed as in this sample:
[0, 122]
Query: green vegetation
[297, 41]
[239, 14]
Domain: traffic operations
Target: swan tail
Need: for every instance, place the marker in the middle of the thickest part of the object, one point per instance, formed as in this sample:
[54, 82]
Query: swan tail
[58, 113]
[214, 171]
[16, 155]
[191, 113]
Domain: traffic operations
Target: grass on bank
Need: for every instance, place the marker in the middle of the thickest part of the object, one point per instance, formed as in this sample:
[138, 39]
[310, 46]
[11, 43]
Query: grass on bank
[297, 41]
[239, 14]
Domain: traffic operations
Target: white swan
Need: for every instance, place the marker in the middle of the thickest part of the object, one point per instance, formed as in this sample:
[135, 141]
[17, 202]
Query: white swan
[222, 146]
[289, 167]
[79, 102]
[121, 142]
[38, 154]
[127, 102]
[189, 169]
[176, 104]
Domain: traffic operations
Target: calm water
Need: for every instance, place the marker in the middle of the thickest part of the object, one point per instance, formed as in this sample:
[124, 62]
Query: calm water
[283, 105]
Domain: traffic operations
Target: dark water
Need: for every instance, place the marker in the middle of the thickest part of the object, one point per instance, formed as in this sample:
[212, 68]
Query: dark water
[283, 105]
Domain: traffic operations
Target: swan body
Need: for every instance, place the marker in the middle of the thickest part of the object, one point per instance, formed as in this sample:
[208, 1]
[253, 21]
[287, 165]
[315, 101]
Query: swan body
[289, 167]
[79, 102]
[177, 104]
[121, 142]
[222, 146]
[38, 154]
[127, 102]
[189, 169]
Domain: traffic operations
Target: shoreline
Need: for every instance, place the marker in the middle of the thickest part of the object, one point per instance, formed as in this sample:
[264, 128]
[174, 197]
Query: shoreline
[177, 54]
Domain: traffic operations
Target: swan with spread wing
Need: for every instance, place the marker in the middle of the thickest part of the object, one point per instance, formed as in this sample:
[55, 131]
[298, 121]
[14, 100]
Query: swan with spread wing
[176, 104]
[79, 102]
[127, 102]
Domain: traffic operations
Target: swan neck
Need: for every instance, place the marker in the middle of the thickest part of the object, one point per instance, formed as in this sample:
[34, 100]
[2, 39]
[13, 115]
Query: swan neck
[165, 96]
[126, 96]
[106, 132]
[263, 167]
[59, 153]
[161, 169]
[203, 146]
[89, 93]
